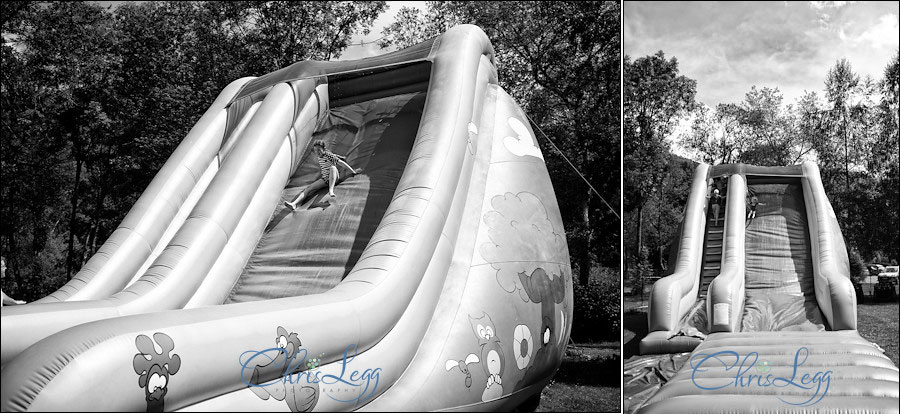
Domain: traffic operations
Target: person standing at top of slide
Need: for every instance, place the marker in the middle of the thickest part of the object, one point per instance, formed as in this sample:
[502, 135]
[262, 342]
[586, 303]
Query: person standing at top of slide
[328, 162]
[715, 200]
[6, 300]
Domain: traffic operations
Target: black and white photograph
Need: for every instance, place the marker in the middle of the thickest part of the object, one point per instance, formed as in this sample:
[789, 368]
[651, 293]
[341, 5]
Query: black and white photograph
[629, 207]
[284, 206]
[760, 207]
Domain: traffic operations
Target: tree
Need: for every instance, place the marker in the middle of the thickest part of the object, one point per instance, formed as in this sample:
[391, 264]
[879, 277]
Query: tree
[654, 97]
[94, 100]
[761, 130]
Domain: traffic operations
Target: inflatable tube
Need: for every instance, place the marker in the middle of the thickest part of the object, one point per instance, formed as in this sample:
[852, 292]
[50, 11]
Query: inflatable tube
[171, 281]
[672, 296]
[217, 285]
[133, 242]
[831, 266]
[726, 292]
[851, 376]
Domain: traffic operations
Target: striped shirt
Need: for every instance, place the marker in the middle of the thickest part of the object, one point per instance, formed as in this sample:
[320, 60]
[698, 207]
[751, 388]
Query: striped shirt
[326, 160]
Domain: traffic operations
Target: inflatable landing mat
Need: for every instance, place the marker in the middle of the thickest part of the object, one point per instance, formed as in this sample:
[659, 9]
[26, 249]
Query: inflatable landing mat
[783, 372]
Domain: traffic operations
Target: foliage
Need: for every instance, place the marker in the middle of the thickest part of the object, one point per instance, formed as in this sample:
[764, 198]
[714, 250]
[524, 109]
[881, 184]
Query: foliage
[850, 131]
[858, 268]
[759, 131]
[654, 97]
[596, 313]
[95, 99]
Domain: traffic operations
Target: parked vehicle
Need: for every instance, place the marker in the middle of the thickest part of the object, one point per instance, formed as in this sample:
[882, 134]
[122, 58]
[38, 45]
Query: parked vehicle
[888, 286]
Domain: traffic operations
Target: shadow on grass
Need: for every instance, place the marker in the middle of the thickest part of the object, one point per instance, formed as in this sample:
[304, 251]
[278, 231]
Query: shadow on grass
[636, 323]
[597, 371]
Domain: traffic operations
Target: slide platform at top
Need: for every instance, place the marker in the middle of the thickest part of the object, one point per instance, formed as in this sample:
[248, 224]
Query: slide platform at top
[780, 307]
[437, 279]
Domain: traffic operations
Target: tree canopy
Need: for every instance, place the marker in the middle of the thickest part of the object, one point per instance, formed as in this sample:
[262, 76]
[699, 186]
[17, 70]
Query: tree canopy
[95, 99]
[849, 129]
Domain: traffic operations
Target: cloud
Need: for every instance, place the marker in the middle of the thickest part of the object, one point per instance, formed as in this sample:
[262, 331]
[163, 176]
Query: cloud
[729, 47]
[522, 239]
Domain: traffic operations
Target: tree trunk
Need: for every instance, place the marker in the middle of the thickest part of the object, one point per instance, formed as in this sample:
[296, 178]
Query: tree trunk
[72, 218]
[640, 230]
[584, 262]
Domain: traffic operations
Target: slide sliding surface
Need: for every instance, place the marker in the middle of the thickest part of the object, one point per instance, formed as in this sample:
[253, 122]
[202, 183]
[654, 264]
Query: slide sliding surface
[780, 291]
[311, 249]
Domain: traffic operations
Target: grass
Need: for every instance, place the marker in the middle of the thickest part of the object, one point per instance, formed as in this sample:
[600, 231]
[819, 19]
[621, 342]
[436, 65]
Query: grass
[878, 323]
[588, 379]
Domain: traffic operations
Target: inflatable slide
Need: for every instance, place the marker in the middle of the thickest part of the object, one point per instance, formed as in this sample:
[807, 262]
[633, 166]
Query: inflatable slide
[437, 278]
[759, 314]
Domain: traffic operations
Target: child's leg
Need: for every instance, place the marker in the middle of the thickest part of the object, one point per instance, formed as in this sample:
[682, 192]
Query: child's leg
[311, 189]
[332, 180]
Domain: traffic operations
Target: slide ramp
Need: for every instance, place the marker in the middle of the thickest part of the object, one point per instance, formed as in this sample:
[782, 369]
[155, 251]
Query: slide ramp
[782, 313]
[780, 291]
[311, 249]
[446, 275]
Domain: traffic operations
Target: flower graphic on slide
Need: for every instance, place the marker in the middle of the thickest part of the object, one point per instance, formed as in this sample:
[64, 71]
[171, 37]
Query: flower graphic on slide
[523, 346]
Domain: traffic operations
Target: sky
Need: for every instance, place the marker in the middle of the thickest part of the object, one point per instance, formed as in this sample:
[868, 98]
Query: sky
[730, 46]
[369, 47]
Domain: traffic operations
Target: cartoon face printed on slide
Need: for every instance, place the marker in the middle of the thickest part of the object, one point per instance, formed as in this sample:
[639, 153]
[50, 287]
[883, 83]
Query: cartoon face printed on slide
[300, 396]
[155, 368]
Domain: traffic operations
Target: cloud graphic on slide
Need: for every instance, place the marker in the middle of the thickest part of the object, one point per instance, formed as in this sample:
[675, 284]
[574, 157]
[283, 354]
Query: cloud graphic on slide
[522, 144]
[522, 239]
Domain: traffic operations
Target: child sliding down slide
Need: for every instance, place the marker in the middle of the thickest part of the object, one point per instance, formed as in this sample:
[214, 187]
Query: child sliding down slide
[328, 162]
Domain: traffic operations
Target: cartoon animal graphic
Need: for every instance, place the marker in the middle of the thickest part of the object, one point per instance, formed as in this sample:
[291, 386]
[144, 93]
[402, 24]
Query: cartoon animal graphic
[548, 291]
[490, 356]
[300, 394]
[154, 369]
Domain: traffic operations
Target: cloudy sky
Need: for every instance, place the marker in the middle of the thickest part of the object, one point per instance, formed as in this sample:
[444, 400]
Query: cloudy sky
[729, 47]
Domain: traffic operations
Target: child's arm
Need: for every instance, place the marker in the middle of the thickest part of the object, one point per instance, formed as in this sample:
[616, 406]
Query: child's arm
[344, 163]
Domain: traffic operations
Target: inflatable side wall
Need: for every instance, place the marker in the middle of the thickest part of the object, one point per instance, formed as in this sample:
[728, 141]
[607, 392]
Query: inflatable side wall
[672, 296]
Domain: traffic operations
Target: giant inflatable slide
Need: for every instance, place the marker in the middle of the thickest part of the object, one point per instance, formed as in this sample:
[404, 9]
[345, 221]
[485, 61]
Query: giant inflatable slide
[436, 279]
[759, 314]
